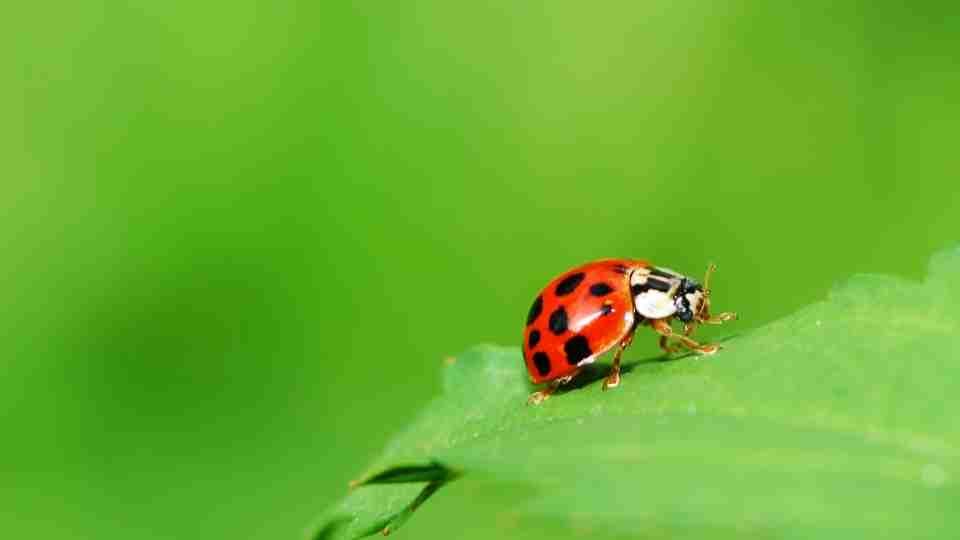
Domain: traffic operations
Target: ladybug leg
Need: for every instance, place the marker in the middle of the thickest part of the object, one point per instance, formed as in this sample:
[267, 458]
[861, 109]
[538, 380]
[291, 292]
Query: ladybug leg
[613, 379]
[539, 397]
[721, 318]
[667, 348]
[662, 327]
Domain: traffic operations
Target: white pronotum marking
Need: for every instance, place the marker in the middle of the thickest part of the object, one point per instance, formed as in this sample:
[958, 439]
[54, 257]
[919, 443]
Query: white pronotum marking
[654, 304]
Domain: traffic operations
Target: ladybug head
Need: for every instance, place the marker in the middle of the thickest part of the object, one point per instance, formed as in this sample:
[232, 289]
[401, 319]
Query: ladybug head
[690, 300]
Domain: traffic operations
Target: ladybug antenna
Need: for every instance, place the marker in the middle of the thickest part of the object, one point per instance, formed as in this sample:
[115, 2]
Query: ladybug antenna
[704, 311]
[711, 268]
[705, 316]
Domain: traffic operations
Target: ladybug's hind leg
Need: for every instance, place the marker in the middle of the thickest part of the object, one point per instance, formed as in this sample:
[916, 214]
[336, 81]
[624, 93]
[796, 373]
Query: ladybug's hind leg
[539, 397]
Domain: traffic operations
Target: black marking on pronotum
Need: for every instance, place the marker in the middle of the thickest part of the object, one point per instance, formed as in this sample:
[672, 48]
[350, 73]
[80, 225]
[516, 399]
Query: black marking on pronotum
[689, 286]
[651, 283]
[533, 339]
[535, 310]
[577, 348]
[569, 284]
[542, 362]
[600, 289]
[558, 321]
[684, 313]
[659, 285]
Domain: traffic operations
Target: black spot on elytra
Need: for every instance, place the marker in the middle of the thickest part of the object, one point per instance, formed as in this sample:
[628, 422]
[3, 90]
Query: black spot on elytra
[542, 363]
[533, 339]
[577, 348]
[606, 309]
[558, 321]
[620, 269]
[600, 289]
[569, 284]
[535, 310]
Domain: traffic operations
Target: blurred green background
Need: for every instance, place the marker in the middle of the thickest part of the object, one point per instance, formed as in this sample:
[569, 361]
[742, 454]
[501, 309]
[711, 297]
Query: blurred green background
[238, 238]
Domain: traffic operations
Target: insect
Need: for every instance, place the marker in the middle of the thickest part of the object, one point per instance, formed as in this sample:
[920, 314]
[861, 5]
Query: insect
[593, 308]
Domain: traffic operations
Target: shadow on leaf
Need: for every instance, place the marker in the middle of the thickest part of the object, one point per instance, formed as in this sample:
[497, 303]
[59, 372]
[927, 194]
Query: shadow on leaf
[592, 373]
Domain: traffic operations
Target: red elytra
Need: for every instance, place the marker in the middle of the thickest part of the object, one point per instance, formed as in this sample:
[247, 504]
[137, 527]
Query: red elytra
[568, 325]
[590, 309]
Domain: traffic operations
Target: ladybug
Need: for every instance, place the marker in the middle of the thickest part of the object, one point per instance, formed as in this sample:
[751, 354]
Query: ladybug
[593, 308]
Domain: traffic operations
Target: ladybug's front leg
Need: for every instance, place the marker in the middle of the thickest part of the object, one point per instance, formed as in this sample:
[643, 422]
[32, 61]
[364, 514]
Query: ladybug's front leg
[665, 345]
[720, 319]
[540, 396]
[662, 327]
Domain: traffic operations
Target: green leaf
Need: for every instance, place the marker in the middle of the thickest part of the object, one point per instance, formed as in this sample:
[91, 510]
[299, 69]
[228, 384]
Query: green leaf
[329, 529]
[840, 420]
[435, 474]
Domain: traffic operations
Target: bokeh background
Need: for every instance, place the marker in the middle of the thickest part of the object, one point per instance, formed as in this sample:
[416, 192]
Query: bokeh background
[238, 238]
